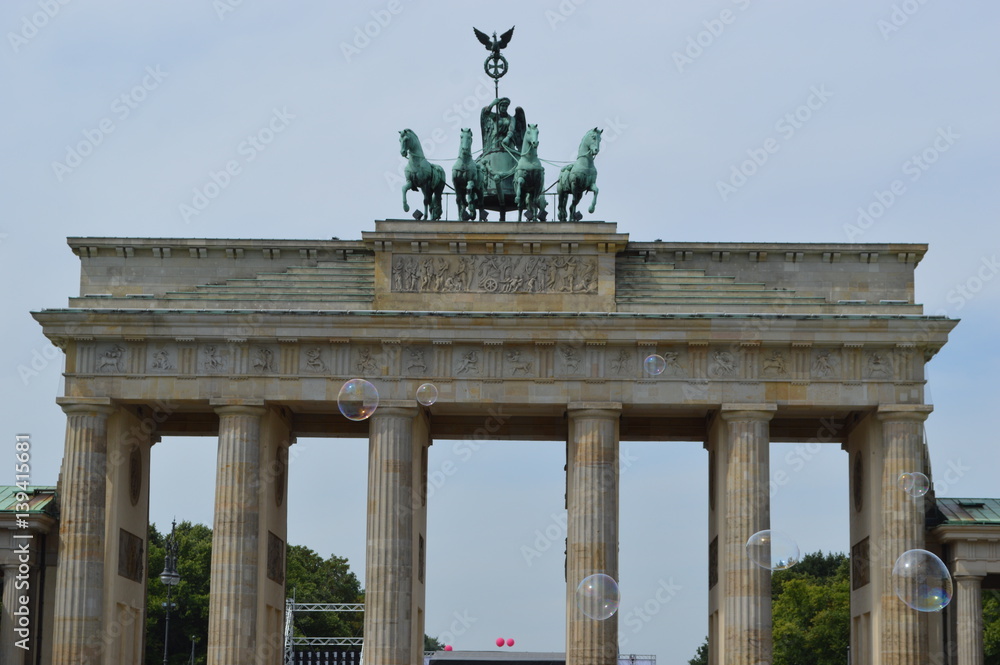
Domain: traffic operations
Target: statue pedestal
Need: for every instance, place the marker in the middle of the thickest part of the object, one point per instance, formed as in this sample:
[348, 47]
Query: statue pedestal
[491, 266]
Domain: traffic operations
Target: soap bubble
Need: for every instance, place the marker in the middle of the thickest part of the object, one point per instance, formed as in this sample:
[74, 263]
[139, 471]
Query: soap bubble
[427, 394]
[358, 399]
[598, 596]
[922, 581]
[654, 365]
[500, 642]
[772, 550]
[914, 483]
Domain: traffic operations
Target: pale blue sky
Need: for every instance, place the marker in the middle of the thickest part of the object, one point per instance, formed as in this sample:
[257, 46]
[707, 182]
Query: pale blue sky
[209, 78]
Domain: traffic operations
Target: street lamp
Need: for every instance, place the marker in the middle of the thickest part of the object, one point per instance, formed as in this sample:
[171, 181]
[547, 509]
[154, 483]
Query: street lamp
[171, 578]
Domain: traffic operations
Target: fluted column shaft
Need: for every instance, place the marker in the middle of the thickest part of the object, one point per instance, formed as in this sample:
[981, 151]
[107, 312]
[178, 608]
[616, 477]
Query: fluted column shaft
[969, 597]
[77, 622]
[389, 553]
[902, 529]
[232, 609]
[592, 526]
[747, 602]
[9, 653]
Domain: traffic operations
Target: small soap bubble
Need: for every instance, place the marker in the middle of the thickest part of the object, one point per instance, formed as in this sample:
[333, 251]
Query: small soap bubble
[654, 364]
[772, 550]
[922, 581]
[914, 483]
[358, 399]
[427, 394]
[598, 596]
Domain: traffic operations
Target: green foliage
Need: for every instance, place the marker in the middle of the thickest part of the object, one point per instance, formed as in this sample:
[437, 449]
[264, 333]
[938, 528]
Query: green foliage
[432, 644]
[991, 626]
[811, 611]
[189, 618]
[701, 655]
[313, 579]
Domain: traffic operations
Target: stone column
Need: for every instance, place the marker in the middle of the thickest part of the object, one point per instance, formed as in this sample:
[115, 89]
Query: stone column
[79, 598]
[389, 554]
[8, 652]
[232, 609]
[969, 597]
[747, 601]
[592, 526]
[901, 529]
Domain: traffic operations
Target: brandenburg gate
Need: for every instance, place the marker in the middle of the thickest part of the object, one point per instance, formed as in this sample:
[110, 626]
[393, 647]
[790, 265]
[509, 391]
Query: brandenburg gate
[540, 329]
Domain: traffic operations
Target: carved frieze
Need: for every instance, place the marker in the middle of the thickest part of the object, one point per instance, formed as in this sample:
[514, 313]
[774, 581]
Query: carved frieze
[774, 365]
[570, 359]
[491, 273]
[313, 361]
[110, 359]
[214, 358]
[468, 362]
[878, 365]
[162, 360]
[722, 365]
[826, 364]
[518, 363]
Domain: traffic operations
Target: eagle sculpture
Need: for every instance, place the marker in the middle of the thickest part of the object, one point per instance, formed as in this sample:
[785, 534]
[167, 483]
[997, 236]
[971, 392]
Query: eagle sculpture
[493, 45]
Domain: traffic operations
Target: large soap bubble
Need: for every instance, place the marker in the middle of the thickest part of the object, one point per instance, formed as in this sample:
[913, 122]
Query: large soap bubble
[914, 483]
[654, 365]
[772, 550]
[922, 581]
[427, 394]
[358, 399]
[598, 596]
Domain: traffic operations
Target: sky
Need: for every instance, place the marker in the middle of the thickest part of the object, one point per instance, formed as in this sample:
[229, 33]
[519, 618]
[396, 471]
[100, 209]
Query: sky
[871, 121]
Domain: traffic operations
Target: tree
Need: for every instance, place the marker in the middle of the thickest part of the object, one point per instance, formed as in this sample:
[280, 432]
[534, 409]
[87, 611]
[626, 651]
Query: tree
[991, 626]
[811, 611]
[190, 616]
[432, 644]
[701, 655]
[312, 579]
[811, 614]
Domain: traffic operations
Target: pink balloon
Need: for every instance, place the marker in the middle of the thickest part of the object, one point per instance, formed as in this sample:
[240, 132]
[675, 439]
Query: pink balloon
[510, 641]
[447, 647]
[500, 642]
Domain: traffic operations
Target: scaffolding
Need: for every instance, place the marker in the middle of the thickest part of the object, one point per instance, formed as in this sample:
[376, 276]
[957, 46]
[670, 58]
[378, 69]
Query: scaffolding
[291, 607]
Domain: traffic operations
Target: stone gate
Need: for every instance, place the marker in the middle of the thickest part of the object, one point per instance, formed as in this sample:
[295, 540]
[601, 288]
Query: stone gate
[538, 329]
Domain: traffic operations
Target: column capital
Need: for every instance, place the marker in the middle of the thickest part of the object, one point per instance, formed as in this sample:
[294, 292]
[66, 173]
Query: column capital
[96, 405]
[764, 412]
[917, 412]
[398, 408]
[967, 577]
[611, 410]
[231, 406]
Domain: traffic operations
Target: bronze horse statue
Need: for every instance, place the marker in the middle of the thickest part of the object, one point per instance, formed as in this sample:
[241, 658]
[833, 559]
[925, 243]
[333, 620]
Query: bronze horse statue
[580, 176]
[529, 177]
[469, 180]
[421, 175]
